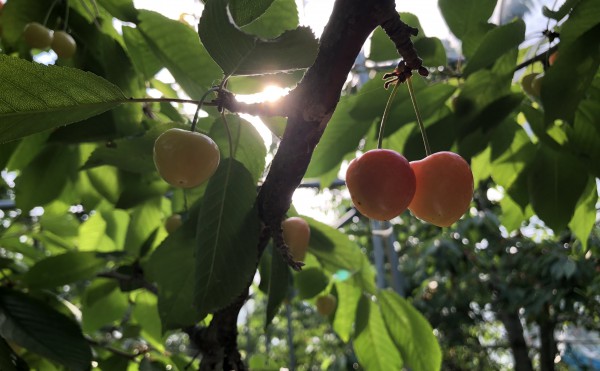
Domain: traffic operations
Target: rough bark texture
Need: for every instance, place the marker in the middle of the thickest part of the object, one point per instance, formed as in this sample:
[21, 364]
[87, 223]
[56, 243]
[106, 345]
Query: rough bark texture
[519, 348]
[548, 348]
[308, 108]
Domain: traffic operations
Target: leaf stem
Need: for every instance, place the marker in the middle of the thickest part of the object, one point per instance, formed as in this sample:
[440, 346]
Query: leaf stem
[413, 99]
[386, 113]
[66, 21]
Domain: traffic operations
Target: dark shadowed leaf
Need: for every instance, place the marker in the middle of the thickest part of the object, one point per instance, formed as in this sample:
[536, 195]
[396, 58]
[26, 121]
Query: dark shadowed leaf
[246, 11]
[556, 182]
[171, 266]
[63, 269]
[39, 328]
[239, 53]
[35, 97]
[562, 90]
[411, 333]
[9, 360]
[226, 238]
[495, 43]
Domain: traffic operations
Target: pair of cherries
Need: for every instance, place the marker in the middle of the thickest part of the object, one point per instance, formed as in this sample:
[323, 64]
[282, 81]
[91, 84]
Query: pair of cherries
[437, 189]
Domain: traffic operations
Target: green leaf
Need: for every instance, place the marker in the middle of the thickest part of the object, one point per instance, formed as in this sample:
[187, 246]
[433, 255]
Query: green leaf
[39, 328]
[496, 43]
[248, 146]
[15, 15]
[246, 11]
[561, 91]
[63, 269]
[145, 313]
[121, 9]
[172, 267]
[281, 16]
[341, 137]
[142, 57]
[179, 49]
[556, 182]
[373, 346]
[584, 17]
[37, 97]
[335, 251]
[467, 19]
[279, 281]
[562, 12]
[242, 54]
[432, 51]
[226, 238]
[9, 360]
[345, 313]
[310, 282]
[382, 48]
[104, 305]
[44, 179]
[411, 333]
[584, 218]
[145, 219]
[584, 138]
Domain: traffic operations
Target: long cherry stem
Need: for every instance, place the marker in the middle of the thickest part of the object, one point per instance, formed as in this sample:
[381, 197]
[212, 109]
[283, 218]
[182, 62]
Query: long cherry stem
[413, 99]
[386, 113]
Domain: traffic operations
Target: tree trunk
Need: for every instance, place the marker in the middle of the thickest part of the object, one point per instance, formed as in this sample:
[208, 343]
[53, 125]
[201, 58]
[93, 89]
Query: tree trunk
[548, 348]
[519, 348]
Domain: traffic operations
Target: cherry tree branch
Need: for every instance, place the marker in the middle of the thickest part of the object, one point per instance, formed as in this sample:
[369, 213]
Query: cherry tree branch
[309, 108]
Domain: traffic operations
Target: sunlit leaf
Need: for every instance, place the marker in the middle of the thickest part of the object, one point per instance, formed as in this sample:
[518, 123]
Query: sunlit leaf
[310, 282]
[411, 333]
[37, 97]
[374, 348]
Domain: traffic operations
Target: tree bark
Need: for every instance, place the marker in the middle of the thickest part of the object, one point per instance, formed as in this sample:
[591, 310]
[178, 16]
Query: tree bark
[548, 348]
[514, 330]
[308, 108]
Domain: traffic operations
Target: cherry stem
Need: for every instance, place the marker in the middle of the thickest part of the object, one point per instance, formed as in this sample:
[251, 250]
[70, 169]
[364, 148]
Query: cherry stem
[413, 99]
[386, 113]
[66, 22]
[229, 137]
[200, 103]
[47, 17]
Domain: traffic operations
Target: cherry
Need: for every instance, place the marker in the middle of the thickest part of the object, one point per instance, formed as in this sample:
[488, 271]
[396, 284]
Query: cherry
[184, 158]
[63, 45]
[381, 183]
[296, 233]
[173, 223]
[326, 304]
[37, 36]
[444, 188]
[552, 58]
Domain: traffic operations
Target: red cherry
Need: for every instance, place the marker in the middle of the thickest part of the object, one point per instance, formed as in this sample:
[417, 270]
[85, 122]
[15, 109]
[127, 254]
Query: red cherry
[381, 183]
[444, 188]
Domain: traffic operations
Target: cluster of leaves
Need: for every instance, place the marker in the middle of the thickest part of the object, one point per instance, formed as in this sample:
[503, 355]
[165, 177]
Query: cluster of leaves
[86, 261]
[96, 267]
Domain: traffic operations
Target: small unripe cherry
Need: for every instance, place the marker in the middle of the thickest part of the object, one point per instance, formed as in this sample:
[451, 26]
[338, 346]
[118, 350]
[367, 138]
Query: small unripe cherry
[381, 183]
[37, 35]
[536, 85]
[184, 158]
[552, 58]
[296, 234]
[173, 223]
[444, 188]
[63, 45]
[326, 304]
[527, 84]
